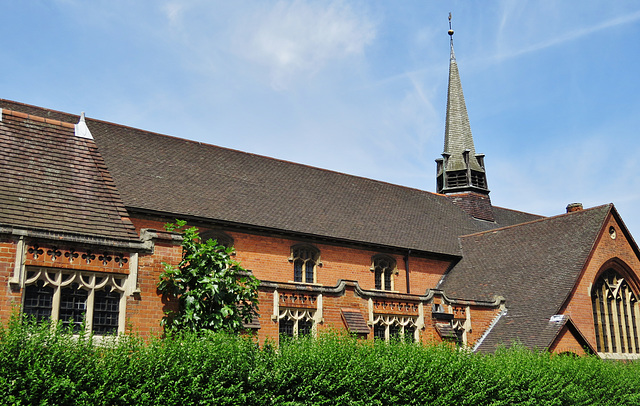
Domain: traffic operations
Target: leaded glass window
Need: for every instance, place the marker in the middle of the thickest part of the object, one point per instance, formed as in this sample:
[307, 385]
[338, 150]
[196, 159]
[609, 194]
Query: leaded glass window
[38, 301]
[73, 306]
[390, 327]
[615, 314]
[75, 298]
[383, 268]
[295, 322]
[305, 259]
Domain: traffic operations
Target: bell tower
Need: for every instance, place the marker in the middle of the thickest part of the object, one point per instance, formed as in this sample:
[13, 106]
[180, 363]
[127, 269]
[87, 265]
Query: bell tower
[460, 172]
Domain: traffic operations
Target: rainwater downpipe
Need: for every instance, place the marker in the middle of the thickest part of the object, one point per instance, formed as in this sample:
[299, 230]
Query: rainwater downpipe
[406, 267]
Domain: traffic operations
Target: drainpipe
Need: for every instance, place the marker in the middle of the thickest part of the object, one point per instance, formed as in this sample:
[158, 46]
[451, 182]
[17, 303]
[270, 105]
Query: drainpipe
[406, 267]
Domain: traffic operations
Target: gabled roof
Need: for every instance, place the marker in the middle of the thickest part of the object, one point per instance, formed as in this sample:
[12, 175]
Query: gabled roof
[167, 175]
[55, 182]
[533, 265]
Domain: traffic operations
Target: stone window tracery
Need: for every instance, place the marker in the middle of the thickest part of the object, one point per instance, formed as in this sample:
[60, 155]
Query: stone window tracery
[389, 327]
[383, 268]
[305, 260]
[615, 314]
[295, 322]
[75, 297]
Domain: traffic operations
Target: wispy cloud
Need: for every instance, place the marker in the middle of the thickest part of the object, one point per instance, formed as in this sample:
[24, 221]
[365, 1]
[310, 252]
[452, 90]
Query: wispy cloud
[569, 36]
[300, 38]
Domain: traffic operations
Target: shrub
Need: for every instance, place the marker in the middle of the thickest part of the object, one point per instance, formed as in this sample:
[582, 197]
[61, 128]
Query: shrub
[52, 366]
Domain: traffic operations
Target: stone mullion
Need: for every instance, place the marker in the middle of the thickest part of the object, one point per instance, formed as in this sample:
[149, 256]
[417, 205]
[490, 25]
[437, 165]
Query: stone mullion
[636, 316]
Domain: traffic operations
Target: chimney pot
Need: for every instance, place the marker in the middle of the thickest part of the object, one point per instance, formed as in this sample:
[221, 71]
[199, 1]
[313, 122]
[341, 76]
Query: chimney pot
[571, 207]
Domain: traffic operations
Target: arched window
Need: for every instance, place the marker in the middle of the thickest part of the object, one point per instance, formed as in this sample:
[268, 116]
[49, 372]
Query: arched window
[305, 258]
[383, 268]
[615, 314]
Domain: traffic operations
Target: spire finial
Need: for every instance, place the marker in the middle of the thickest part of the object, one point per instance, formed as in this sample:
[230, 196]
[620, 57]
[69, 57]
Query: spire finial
[453, 55]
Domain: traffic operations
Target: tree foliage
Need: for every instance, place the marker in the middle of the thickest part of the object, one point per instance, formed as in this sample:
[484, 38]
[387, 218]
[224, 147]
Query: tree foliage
[213, 291]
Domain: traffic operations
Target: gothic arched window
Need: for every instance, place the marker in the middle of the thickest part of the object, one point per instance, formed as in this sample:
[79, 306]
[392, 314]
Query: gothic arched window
[305, 258]
[615, 314]
[383, 268]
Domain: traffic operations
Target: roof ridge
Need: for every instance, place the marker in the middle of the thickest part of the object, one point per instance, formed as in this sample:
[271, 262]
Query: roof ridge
[37, 118]
[517, 211]
[537, 220]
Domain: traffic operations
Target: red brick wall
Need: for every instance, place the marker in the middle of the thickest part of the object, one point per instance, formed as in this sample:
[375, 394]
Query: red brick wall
[481, 318]
[146, 309]
[567, 342]
[10, 297]
[578, 305]
[267, 256]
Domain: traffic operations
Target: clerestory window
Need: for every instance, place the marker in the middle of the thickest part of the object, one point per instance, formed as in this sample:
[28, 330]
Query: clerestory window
[615, 314]
[383, 268]
[305, 260]
[75, 298]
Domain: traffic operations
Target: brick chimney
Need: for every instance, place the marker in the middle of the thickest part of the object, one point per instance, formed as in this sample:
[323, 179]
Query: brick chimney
[571, 207]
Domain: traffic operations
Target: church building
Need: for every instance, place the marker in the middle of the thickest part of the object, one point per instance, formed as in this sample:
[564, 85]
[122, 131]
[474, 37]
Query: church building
[83, 203]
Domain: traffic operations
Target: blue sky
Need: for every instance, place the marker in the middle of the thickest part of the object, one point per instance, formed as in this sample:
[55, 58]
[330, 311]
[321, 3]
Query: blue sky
[359, 87]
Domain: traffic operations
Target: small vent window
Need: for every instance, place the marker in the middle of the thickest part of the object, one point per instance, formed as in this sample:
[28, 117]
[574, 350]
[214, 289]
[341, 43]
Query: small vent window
[478, 179]
[457, 179]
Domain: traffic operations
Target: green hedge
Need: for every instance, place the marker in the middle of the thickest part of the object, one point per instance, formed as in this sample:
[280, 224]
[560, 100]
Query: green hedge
[44, 366]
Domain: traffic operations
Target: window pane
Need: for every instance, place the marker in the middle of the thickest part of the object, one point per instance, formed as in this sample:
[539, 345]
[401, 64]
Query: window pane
[387, 279]
[286, 327]
[304, 327]
[378, 279]
[409, 334]
[106, 310]
[297, 270]
[309, 271]
[37, 301]
[73, 306]
[378, 331]
[394, 332]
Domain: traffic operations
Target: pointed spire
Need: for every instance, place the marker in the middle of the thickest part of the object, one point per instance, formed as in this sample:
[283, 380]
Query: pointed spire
[459, 155]
[460, 170]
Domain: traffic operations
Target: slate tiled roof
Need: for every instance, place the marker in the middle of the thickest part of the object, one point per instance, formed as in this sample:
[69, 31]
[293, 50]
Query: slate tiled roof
[457, 132]
[163, 174]
[55, 182]
[533, 265]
